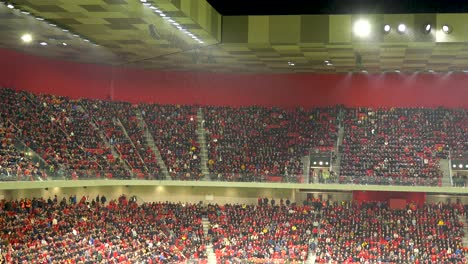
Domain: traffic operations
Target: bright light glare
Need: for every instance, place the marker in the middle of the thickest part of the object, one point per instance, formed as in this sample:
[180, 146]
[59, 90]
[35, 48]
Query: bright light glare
[387, 28]
[401, 28]
[445, 29]
[26, 38]
[362, 28]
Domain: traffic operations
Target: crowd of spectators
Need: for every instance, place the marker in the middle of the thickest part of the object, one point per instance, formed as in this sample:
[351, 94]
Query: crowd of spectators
[77, 139]
[81, 129]
[455, 126]
[95, 231]
[264, 231]
[15, 165]
[135, 130]
[394, 146]
[460, 179]
[254, 143]
[371, 232]
[35, 127]
[111, 118]
[174, 130]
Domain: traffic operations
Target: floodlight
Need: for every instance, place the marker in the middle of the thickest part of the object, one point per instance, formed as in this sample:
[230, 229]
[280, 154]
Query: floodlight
[401, 28]
[26, 38]
[362, 28]
[387, 28]
[427, 28]
[447, 29]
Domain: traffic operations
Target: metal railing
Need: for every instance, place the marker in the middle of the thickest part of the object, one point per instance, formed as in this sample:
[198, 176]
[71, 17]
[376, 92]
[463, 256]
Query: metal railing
[76, 175]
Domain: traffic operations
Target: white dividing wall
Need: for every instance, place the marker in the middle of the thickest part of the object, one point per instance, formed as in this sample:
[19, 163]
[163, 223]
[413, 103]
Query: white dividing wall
[161, 193]
[219, 195]
[435, 198]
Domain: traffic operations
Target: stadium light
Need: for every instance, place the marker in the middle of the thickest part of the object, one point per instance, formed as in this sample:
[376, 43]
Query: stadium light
[460, 166]
[447, 29]
[362, 28]
[454, 165]
[387, 28]
[427, 28]
[26, 38]
[401, 28]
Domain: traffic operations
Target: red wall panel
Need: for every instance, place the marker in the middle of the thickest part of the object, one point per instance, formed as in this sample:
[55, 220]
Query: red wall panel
[39, 74]
[417, 197]
[44, 75]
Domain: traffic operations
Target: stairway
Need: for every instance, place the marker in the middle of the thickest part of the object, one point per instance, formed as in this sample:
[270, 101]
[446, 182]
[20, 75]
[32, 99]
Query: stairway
[462, 219]
[311, 258]
[209, 247]
[112, 148]
[150, 142]
[336, 164]
[306, 168]
[130, 140]
[202, 142]
[444, 165]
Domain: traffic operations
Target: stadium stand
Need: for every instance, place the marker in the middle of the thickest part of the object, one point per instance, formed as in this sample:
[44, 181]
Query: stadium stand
[96, 138]
[400, 146]
[257, 143]
[92, 230]
[263, 232]
[174, 130]
[111, 118]
[14, 165]
[372, 232]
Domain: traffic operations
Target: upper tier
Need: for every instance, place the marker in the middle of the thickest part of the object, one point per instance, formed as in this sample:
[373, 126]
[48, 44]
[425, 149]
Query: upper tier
[85, 138]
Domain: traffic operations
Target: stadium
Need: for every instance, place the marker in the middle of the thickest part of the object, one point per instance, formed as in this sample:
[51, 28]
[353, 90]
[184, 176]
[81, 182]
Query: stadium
[207, 131]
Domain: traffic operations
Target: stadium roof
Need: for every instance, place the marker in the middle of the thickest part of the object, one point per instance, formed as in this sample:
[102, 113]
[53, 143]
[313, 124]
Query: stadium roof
[191, 35]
